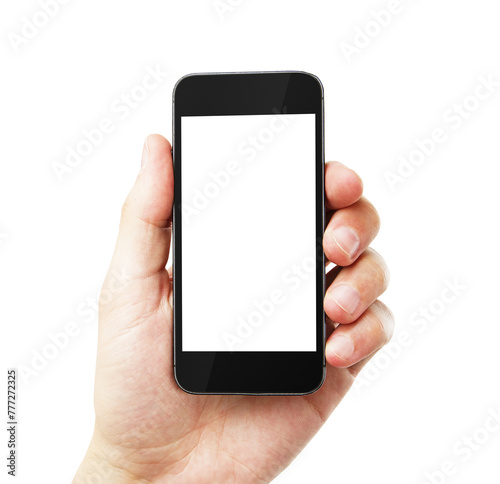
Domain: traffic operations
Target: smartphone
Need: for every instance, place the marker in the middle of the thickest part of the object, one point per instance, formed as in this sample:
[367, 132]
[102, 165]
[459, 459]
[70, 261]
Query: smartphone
[248, 221]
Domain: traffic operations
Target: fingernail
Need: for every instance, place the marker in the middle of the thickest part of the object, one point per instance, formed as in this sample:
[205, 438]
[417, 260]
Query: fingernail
[346, 239]
[145, 154]
[346, 297]
[341, 346]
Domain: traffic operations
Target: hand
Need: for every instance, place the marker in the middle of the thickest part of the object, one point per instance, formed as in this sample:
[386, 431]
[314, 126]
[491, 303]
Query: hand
[147, 429]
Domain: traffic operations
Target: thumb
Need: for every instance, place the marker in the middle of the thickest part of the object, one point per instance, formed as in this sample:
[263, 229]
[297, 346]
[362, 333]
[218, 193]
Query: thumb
[143, 241]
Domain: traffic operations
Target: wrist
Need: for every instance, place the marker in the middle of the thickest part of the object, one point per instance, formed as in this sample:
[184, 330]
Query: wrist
[104, 467]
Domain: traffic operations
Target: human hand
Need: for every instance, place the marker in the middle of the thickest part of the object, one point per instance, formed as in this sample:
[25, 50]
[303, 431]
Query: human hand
[147, 429]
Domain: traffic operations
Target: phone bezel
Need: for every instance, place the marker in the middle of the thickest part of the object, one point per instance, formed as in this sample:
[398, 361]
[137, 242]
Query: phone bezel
[248, 373]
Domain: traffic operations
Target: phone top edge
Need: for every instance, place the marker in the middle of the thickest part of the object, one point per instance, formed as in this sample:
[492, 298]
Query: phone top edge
[227, 73]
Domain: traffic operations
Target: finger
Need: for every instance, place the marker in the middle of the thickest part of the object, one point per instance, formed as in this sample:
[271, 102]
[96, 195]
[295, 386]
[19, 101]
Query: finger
[343, 186]
[350, 231]
[143, 241]
[349, 344]
[356, 287]
[329, 278]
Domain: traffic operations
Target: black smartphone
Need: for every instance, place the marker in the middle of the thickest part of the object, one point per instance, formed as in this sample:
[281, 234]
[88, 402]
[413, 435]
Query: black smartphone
[248, 221]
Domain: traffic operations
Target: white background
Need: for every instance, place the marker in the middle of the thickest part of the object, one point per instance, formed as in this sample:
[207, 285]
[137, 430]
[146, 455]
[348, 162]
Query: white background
[239, 291]
[439, 224]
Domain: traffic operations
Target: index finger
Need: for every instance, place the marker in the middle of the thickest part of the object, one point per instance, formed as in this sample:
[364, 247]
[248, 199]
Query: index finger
[343, 186]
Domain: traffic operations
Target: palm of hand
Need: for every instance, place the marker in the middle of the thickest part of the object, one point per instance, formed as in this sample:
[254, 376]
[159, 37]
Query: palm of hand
[147, 429]
[159, 430]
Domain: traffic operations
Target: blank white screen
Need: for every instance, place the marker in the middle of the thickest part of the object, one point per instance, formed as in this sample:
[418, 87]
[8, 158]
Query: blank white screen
[248, 233]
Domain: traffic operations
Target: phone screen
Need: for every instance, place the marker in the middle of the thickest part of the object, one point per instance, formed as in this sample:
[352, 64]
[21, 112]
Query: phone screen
[248, 207]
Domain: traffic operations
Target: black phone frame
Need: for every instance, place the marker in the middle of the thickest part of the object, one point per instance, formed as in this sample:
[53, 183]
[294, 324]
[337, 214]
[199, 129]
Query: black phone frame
[248, 373]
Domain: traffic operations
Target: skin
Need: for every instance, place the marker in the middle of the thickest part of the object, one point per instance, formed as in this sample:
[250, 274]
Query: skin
[146, 428]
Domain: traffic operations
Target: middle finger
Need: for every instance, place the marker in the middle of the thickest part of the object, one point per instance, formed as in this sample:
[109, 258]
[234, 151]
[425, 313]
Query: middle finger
[356, 287]
[350, 231]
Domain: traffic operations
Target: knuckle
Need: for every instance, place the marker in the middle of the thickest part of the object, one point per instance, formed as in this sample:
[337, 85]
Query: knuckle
[373, 213]
[379, 269]
[383, 322]
[385, 319]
